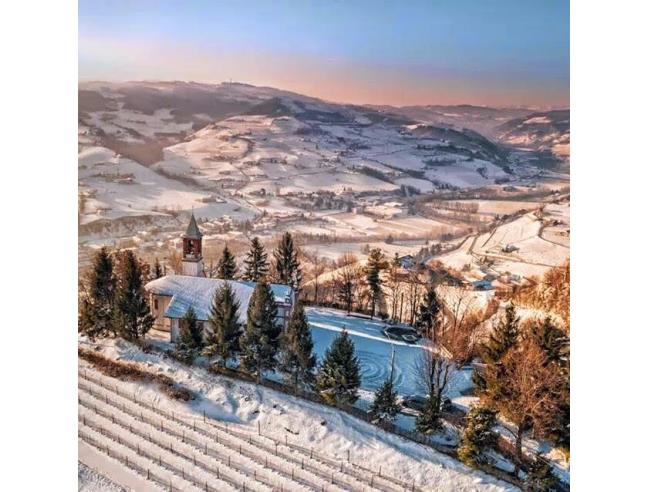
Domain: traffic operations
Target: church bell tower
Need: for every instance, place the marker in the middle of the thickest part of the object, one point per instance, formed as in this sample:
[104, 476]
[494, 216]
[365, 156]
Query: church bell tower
[192, 259]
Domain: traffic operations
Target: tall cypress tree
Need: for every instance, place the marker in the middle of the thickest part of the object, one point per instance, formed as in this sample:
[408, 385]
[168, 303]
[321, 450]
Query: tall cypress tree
[133, 316]
[286, 262]
[222, 339]
[96, 309]
[427, 320]
[338, 379]
[296, 353]
[256, 262]
[375, 264]
[226, 268]
[478, 436]
[191, 338]
[260, 339]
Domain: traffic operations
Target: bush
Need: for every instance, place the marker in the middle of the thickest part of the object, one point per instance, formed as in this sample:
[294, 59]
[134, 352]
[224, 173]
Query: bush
[131, 371]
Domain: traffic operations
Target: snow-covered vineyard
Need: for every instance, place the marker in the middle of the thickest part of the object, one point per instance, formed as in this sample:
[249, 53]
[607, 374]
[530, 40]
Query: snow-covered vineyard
[236, 436]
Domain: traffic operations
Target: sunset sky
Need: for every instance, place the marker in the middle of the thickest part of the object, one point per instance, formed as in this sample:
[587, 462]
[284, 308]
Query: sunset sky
[499, 52]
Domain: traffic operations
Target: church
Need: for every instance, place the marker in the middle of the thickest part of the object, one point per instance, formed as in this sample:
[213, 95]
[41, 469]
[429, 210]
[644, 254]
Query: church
[171, 295]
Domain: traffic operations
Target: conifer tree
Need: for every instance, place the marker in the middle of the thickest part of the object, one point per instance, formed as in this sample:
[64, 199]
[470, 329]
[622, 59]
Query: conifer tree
[427, 321]
[478, 436]
[191, 338]
[133, 318]
[157, 270]
[385, 406]
[540, 477]
[222, 338]
[338, 379]
[226, 267]
[256, 262]
[503, 337]
[428, 421]
[287, 266]
[375, 264]
[96, 309]
[296, 355]
[552, 340]
[260, 339]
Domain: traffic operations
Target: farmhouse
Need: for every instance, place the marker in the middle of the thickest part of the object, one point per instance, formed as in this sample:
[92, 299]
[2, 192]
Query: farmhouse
[171, 295]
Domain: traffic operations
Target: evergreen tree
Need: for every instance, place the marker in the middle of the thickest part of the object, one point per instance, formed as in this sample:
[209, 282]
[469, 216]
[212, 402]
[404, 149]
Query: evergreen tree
[338, 379]
[157, 270]
[226, 267]
[428, 421]
[478, 436]
[260, 339]
[191, 338]
[554, 343]
[96, 309]
[133, 318]
[552, 340]
[385, 405]
[540, 477]
[503, 337]
[375, 264]
[286, 262]
[256, 262]
[427, 321]
[222, 339]
[296, 356]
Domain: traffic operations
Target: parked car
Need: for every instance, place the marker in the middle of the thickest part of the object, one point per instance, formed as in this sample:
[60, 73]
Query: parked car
[415, 402]
[402, 333]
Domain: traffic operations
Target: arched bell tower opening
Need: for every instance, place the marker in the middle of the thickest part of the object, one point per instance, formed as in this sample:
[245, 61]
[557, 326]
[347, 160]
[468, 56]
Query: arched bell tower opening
[192, 259]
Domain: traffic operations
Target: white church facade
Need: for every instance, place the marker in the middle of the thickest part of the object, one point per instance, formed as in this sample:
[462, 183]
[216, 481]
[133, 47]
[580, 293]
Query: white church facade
[171, 295]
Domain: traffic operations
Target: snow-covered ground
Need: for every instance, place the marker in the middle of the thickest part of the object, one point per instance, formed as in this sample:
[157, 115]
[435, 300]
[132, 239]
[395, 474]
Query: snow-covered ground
[246, 406]
[91, 481]
[116, 187]
[539, 247]
[374, 351]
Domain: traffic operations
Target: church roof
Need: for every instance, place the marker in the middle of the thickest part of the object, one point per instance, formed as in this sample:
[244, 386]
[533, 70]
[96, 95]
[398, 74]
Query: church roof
[198, 292]
[192, 229]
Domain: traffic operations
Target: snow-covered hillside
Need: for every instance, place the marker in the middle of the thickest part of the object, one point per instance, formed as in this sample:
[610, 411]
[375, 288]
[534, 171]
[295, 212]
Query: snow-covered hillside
[247, 408]
[544, 131]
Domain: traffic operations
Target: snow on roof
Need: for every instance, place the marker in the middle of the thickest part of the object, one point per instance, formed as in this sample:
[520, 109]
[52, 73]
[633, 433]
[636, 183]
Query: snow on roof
[198, 292]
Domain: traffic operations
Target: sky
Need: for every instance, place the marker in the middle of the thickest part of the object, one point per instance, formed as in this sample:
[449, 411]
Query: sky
[485, 52]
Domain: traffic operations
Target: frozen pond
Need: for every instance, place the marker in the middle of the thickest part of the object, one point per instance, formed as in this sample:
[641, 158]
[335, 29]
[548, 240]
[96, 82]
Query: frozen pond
[375, 351]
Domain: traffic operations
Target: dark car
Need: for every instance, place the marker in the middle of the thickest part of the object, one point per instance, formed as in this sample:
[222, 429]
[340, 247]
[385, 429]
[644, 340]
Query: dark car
[402, 333]
[415, 402]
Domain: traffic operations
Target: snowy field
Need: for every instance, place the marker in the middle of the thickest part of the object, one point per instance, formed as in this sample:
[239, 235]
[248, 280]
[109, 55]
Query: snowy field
[117, 187]
[91, 481]
[539, 247]
[247, 408]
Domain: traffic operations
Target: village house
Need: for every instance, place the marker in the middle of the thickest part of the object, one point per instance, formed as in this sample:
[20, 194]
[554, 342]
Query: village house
[171, 295]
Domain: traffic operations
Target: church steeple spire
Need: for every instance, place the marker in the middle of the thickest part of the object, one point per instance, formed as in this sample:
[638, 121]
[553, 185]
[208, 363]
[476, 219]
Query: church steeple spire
[192, 260]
